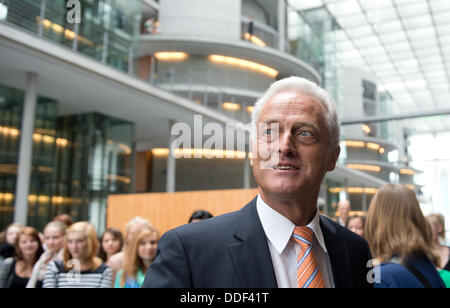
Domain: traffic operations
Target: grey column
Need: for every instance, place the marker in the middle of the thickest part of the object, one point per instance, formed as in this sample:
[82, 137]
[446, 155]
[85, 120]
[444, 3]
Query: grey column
[25, 151]
[281, 25]
[364, 199]
[171, 163]
[41, 19]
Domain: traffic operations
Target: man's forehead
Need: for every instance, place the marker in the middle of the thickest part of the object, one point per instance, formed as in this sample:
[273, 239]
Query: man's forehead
[287, 102]
[290, 105]
[292, 97]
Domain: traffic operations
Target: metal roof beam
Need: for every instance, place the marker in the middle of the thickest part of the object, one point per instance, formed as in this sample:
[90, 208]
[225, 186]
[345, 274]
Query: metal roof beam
[394, 117]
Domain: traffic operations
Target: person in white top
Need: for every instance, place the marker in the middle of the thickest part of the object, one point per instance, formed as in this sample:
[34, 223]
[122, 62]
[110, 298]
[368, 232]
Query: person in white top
[54, 241]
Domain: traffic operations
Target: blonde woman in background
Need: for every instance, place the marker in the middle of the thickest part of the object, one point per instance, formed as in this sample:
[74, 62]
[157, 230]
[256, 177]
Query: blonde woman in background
[80, 267]
[400, 238]
[138, 256]
[54, 241]
[437, 223]
[133, 226]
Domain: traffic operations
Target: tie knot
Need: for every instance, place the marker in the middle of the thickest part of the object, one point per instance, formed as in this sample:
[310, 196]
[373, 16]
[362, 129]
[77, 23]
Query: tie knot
[303, 235]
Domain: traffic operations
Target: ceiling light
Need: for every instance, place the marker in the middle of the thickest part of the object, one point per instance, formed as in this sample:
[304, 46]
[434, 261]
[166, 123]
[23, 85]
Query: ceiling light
[373, 146]
[160, 152]
[255, 40]
[407, 171]
[355, 144]
[170, 56]
[231, 106]
[366, 129]
[244, 64]
[364, 167]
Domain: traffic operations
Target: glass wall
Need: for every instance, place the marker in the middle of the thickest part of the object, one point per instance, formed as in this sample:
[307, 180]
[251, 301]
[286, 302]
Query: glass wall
[44, 147]
[11, 101]
[94, 160]
[310, 31]
[108, 30]
[77, 161]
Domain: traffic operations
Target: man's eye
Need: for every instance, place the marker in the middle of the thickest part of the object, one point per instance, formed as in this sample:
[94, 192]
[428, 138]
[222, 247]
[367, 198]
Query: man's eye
[268, 131]
[305, 134]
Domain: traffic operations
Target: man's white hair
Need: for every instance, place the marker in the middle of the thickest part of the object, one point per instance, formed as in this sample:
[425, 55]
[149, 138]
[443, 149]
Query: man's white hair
[306, 87]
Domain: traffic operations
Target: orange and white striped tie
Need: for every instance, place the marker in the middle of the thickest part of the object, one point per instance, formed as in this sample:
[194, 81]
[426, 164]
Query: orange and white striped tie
[308, 272]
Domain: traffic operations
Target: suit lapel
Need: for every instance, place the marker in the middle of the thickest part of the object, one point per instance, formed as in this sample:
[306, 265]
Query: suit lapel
[250, 254]
[337, 251]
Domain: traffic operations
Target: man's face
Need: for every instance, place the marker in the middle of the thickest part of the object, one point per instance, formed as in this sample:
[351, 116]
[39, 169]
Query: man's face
[292, 154]
[344, 209]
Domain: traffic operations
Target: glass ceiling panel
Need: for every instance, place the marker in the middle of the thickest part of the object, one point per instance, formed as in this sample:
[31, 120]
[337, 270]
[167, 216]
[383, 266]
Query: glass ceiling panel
[417, 22]
[389, 27]
[444, 40]
[352, 21]
[387, 14]
[305, 5]
[421, 33]
[381, 60]
[404, 43]
[382, 66]
[372, 51]
[429, 42]
[402, 56]
[443, 29]
[364, 42]
[360, 31]
[344, 7]
[345, 45]
[399, 46]
[412, 9]
[374, 5]
[440, 5]
[441, 17]
[393, 37]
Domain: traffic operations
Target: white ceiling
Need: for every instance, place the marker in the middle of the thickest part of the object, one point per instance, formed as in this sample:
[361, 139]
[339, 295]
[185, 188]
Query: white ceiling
[404, 43]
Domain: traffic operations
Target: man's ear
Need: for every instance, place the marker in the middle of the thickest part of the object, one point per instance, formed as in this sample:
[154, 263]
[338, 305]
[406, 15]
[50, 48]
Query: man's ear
[334, 155]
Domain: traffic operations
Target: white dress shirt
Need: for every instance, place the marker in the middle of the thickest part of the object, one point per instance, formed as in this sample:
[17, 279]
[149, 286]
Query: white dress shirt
[284, 250]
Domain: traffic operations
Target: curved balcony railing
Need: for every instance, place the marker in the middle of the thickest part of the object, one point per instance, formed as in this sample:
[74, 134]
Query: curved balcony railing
[104, 32]
[258, 33]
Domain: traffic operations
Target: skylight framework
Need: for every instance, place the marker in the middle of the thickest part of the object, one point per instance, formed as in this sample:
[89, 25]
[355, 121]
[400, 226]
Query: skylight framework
[405, 44]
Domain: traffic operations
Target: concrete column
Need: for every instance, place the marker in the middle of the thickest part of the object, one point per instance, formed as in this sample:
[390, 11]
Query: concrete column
[105, 47]
[25, 150]
[364, 199]
[42, 17]
[281, 25]
[152, 69]
[75, 39]
[171, 163]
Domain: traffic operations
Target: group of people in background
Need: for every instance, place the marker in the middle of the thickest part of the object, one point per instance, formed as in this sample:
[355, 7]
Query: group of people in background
[401, 238]
[69, 255]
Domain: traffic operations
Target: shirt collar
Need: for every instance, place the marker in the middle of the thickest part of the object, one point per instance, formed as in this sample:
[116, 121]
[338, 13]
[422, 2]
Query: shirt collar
[278, 228]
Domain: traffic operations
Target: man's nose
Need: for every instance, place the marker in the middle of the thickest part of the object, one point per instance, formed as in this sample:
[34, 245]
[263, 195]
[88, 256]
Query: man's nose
[286, 144]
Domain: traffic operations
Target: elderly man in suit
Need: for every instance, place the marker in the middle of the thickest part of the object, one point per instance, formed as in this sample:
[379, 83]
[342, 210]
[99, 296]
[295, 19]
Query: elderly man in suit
[278, 239]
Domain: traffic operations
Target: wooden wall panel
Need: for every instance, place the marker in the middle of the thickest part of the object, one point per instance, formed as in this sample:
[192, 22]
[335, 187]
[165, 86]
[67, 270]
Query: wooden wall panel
[169, 210]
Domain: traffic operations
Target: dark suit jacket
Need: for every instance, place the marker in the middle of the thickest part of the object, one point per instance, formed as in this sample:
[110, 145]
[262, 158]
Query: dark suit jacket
[231, 251]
